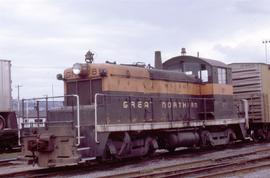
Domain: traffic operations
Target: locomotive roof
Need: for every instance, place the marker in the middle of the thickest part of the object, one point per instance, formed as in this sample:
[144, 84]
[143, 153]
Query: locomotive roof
[156, 74]
[210, 62]
[260, 63]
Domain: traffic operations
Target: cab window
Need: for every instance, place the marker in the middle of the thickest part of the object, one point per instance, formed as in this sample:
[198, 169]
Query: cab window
[203, 75]
[222, 79]
[200, 71]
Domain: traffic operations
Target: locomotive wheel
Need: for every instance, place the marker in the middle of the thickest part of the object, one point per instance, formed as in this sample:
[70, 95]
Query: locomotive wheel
[106, 156]
[268, 135]
[259, 135]
[2, 123]
[171, 149]
[151, 150]
[231, 136]
[205, 139]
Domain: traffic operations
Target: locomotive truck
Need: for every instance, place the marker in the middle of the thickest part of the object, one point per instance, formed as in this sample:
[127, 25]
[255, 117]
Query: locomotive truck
[114, 111]
[8, 121]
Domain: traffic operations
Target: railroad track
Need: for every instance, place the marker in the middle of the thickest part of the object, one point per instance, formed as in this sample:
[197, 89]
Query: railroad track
[7, 162]
[183, 169]
[218, 167]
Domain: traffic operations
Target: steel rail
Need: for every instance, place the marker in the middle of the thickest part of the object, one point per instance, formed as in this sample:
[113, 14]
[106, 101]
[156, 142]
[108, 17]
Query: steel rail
[193, 168]
[5, 162]
[84, 169]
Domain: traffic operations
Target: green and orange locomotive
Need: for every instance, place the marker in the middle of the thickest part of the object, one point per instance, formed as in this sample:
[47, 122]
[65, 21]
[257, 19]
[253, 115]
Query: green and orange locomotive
[120, 111]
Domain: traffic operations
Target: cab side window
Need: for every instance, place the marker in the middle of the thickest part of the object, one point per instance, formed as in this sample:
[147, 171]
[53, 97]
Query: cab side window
[204, 75]
[222, 79]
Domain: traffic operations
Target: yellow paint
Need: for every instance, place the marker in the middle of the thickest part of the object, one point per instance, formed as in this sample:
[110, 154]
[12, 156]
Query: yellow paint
[216, 89]
[149, 86]
[120, 84]
[135, 79]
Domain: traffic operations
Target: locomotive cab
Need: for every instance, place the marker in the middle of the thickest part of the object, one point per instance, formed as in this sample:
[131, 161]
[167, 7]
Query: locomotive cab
[216, 83]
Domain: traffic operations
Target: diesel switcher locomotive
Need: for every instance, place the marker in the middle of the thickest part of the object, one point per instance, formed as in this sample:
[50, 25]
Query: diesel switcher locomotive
[114, 111]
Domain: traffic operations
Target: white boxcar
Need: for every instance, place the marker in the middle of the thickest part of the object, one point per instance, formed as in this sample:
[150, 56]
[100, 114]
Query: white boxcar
[5, 85]
[251, 82]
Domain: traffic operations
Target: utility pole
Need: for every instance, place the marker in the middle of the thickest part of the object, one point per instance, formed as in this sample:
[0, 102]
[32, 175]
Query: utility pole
[18, 99]
[265, 46]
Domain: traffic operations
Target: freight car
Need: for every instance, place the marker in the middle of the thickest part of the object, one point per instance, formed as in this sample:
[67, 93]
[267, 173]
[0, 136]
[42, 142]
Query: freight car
[8, 121]
[251, 82]
[119, 111]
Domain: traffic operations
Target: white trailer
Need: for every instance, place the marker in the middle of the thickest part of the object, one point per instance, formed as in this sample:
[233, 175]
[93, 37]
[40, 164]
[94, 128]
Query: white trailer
[8, 121]
[5, 85]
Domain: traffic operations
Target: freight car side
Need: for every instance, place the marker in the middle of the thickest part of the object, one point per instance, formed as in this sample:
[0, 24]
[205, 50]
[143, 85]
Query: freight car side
[251, 82]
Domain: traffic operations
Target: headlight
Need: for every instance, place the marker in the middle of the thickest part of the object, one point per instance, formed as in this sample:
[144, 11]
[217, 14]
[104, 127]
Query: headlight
[81, 69]
[77, 68]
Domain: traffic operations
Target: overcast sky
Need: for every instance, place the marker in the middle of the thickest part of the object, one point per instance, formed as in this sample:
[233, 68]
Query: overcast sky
[42, 38]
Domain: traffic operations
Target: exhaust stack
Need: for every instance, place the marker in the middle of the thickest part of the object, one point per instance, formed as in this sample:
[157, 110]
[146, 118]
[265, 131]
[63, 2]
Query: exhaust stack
[158, 61]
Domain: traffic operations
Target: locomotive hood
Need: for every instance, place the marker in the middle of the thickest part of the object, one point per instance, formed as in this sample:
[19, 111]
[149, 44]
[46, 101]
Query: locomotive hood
[103, 70]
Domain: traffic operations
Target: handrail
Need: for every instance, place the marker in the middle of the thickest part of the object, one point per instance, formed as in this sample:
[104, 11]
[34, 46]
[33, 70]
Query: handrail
[245, 103]
[78, 120]
[96, 136]
[78, 126]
